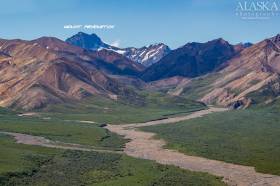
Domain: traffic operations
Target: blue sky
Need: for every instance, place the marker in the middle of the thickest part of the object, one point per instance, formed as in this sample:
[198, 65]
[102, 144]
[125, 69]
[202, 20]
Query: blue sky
[137, 22]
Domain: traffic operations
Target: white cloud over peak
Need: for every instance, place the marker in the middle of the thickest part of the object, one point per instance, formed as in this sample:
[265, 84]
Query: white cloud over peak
[116, 43]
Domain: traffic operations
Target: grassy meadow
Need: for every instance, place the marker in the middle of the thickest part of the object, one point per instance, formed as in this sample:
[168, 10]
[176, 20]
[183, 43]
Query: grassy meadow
[102, 110]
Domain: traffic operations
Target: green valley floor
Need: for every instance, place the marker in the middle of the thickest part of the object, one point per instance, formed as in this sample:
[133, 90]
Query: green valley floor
[243, 137]
[35, 166]
[247, 137]
[22, 164]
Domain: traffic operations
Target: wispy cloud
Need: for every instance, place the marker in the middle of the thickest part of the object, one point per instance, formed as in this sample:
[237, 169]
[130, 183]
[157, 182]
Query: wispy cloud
[116, 43]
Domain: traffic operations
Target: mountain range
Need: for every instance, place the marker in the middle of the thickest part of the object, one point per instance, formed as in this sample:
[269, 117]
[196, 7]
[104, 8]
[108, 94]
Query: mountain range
[44, 71]
[146, 55]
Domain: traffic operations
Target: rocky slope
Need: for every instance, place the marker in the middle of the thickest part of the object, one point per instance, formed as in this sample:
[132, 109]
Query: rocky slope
[146, 56]
[250, 77]
[47, 70]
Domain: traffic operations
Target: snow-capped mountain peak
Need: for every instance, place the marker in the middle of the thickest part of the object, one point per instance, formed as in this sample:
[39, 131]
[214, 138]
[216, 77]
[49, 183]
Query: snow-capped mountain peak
[146, 55]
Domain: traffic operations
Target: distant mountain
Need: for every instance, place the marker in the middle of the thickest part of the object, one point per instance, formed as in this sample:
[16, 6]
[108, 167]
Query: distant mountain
[246, 45]
[87, 41]
[191, 60]
[241, 46]
[113, 63]
[147, 55]
[47, 70]
[106, 61]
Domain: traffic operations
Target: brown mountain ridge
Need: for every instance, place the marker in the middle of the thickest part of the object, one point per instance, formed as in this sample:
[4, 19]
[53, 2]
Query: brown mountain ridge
[47, 70]
[250, 77]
